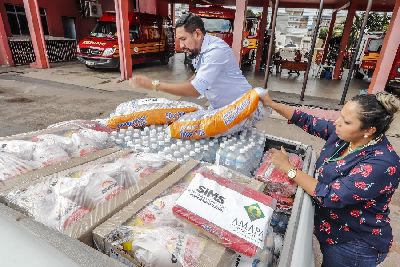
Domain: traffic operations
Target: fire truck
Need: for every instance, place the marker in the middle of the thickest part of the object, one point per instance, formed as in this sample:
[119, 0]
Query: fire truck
[151, 38]
[218, 21]
[393, 83]
[368, 55]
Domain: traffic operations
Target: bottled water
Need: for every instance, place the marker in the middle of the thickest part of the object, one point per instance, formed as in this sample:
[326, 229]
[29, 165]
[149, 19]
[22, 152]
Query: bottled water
[220, 156]
[230, 158]
[241, 151]
[242, 162]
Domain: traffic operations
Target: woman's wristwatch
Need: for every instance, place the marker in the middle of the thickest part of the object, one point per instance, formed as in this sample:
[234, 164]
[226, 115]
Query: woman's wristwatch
[292, 173]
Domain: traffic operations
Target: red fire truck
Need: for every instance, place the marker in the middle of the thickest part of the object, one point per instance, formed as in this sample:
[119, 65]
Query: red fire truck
[152, 38]
[218, 21]
[393, 83]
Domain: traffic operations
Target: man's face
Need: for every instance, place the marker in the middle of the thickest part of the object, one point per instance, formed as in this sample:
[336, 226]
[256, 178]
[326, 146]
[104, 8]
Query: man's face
[190, 42]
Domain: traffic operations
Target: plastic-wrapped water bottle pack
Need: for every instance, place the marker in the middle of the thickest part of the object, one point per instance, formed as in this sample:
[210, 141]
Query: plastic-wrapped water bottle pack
[242, 151]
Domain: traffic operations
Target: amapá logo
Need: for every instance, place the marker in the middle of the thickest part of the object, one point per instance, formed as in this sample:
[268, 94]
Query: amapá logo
[254, 212]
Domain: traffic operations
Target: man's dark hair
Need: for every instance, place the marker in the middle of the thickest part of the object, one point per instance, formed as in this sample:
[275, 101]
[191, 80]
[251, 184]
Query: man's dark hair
[190, 23]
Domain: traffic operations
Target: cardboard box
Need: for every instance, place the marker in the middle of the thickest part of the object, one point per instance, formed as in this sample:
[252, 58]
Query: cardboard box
[214, 254]
[82, 229]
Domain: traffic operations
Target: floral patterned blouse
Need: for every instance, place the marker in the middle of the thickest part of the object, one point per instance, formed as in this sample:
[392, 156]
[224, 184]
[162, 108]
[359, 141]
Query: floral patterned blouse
[353, 192]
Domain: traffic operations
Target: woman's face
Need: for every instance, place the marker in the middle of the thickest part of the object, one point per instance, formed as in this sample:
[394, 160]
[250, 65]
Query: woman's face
[348, 125]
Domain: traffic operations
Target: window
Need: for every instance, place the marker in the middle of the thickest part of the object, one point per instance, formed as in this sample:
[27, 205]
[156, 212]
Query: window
[134, 32]
[104, 29]
[18, 22]
[217, 25]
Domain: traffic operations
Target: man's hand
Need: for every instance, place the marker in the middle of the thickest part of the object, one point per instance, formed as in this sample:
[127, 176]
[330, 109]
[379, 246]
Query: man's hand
[141, 81]
[280, 159]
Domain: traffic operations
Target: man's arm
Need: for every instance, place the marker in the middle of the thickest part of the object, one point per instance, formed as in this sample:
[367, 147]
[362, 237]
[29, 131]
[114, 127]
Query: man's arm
[179, 89]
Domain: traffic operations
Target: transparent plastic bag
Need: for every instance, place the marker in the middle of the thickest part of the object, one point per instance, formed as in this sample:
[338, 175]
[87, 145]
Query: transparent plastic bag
[243, 113]
[160, 247]
[74, 193]
[88, 141]
[277, 181]
[19, 148]
[149, 111]
[49, 154]
[11, 166]
[58, 212]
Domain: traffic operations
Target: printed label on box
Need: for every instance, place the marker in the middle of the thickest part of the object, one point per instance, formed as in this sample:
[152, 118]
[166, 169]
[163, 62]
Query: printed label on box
[228, 209]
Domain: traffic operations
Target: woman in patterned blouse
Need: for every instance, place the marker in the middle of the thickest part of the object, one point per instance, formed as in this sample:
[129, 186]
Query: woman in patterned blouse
[357, 174]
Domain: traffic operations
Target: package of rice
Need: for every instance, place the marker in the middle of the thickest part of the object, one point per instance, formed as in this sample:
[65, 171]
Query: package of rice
[149, 111]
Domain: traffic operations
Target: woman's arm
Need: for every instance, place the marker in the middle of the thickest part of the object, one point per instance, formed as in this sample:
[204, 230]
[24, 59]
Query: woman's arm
[366, 181]
[284, 110]
[310, 124]
[302, 179]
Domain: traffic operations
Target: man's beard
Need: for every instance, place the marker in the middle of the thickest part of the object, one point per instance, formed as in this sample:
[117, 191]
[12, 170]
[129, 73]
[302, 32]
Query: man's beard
[192, 53]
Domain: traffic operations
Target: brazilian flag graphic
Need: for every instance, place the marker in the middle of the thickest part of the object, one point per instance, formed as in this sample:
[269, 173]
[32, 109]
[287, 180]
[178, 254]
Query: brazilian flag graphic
[254, 211]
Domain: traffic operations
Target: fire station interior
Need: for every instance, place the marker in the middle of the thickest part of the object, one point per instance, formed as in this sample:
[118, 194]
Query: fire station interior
[314, 75]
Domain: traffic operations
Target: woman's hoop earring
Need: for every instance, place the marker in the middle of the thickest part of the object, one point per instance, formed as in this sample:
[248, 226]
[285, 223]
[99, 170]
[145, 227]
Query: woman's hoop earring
[365, 136]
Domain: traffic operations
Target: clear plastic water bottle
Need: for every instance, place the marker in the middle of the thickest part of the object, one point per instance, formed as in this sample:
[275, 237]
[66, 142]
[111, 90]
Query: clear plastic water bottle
[192, 154]
[230, 159]
[206, 154]
[221, 155]
[242, 162]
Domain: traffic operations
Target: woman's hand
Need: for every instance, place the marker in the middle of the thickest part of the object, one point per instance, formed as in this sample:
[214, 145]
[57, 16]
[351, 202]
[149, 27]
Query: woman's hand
[141, 81]
[267, 100]
[280, 159]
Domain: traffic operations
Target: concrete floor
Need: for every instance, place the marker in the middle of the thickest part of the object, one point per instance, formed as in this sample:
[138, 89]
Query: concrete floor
[32, 99]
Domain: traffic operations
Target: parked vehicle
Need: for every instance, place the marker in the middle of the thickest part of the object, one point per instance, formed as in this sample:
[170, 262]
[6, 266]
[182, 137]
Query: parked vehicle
[393, 83]
[218, 21]
[368, 55]
[152, 38]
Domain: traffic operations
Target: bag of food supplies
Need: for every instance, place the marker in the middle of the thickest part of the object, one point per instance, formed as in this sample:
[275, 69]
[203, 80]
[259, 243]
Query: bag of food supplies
[243, 113]
[149, 111]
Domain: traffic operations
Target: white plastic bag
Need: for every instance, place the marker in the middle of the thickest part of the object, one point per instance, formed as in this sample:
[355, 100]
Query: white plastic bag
[20, 148]
[11, 166]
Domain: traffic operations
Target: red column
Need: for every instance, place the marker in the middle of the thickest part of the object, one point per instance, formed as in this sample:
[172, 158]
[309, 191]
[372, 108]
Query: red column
[261, 33]
[173, 14]
[124, 44]
[388, 53]
[5, 52]
[162, 8]
[238, 26]
[329, 36]
[36, 32]
[345, 38]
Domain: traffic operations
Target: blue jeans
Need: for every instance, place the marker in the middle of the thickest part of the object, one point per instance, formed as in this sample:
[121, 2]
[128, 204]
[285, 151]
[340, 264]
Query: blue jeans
[355, 253]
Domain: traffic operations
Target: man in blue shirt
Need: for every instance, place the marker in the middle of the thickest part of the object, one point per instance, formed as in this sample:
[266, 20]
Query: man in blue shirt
[218, 76]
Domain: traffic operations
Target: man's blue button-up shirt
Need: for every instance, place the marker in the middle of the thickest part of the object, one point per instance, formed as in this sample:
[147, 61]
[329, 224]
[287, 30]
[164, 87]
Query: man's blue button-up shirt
[218, 76]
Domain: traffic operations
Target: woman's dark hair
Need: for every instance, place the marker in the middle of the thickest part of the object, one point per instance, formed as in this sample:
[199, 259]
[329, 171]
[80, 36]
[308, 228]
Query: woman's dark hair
[377, 110]
[190, 23]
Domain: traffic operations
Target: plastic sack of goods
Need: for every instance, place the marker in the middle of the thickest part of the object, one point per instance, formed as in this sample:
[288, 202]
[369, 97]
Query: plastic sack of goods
[20, 156]
[277, 181]
[230, 213]
[58, 202]
[149, 111]
[243, 113]
[155, 237]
